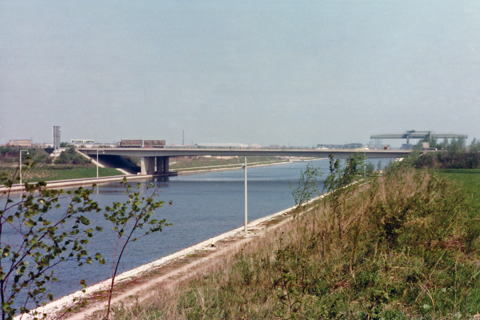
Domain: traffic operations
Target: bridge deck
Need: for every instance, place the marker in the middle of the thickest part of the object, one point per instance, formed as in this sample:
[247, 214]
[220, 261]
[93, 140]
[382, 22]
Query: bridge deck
[174, 152]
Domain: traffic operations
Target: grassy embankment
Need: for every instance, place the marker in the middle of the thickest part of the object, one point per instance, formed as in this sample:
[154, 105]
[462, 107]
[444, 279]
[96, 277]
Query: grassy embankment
[470, 181]
[69, 165]
[409, 249]
[61, 172]
[51, 172]
[207, 163]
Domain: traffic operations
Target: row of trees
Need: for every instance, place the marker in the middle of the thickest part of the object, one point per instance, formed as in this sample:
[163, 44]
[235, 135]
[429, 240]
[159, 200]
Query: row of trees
[71, 156]
[451, 155]
[11, 154]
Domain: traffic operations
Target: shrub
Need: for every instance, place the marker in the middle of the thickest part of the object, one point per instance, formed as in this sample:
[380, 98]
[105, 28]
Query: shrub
[409, 250]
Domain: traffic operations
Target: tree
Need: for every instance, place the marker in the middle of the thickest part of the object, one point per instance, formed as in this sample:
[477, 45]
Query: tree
[70, 156]
[474, 146]
[370, 168]
[307, 185]
[339, 182]
[46, 234]
[38, 241]
[129, 218]
[456, 146]
[432, 141]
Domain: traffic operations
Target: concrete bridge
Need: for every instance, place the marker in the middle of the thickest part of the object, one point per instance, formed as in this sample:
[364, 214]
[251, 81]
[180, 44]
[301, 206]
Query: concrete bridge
[156, 160]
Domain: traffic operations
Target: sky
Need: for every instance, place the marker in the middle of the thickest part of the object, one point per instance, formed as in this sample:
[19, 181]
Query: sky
[277, 72]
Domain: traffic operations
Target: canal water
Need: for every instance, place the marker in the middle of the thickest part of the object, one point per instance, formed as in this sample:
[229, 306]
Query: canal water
[204, 205]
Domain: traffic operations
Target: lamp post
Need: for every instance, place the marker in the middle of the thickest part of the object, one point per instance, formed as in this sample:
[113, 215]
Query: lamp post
[21, 165]
[97, 163]
[246, 202]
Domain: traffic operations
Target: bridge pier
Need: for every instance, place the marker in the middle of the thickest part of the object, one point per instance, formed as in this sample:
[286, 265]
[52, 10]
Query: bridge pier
[147, 165]
[154, 165]
[162, 164]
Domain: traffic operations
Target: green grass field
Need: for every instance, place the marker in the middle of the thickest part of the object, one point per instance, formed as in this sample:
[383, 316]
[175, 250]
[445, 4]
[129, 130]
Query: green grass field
[52, 173]
[470, 182]
[79, 173]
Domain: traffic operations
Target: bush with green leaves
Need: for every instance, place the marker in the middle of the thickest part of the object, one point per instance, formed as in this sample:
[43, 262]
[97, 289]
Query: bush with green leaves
[450, 155]
[410, 250]
[36, 235]
[70, 156]
[46, 227]
[307, 186]
[11, 154]
[339, 183]
[131, 221]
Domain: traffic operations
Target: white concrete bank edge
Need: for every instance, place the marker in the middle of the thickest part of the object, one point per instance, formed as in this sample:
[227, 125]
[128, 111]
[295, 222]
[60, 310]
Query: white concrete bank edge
[53, 307]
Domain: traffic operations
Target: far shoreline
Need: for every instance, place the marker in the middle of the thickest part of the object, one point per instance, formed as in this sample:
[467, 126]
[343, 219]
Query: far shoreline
[239, 167]
[82, 182]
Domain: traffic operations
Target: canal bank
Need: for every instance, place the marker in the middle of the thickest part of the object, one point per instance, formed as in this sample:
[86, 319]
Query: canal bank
[82, 182]
[228, 167]
[58, 184]
[204, 205]
[136, 285]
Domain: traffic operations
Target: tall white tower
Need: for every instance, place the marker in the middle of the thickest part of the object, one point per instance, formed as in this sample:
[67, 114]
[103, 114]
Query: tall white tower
[56, 137]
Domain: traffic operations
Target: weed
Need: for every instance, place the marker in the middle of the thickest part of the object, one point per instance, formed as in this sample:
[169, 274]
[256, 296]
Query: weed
[409, 249]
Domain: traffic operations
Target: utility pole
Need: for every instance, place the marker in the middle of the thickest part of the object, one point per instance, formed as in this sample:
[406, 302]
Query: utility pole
[21, 181]
[246, 201]
[97, 162]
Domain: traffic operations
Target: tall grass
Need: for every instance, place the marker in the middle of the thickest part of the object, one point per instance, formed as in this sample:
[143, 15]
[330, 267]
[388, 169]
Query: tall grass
[409, 249]
[470, 181]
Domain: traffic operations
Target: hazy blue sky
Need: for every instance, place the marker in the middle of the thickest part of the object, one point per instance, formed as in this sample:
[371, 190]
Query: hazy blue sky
[268, 72]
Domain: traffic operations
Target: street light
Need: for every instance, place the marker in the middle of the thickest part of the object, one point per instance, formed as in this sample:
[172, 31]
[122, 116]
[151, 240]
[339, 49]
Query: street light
[97, 160]
[97, 163]
[246, 202]
[21, 165]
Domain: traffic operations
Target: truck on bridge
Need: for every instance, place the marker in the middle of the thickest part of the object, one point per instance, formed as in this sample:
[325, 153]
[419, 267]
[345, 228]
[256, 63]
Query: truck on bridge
[138, 143]
[154, 143]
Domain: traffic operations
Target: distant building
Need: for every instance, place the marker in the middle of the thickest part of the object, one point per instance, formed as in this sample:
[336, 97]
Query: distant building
[56, 137]
[21, 143]
[82, 141]
[87, 143]
[330, 146]
[222, 145]
[353, 146]
[40, 145]
[342, 146]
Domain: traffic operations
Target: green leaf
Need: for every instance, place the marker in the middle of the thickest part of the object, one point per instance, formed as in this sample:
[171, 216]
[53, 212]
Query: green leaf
[30, 223]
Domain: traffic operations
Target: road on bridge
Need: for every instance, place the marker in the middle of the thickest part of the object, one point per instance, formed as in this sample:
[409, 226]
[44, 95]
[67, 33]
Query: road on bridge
[176, 152]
